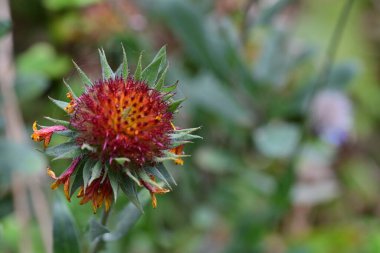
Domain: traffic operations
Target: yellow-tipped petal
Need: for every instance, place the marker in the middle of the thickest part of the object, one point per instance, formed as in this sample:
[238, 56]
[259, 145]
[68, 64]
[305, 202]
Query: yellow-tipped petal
[66, 189]
[54, 185]
[154, 200]
[51, 173]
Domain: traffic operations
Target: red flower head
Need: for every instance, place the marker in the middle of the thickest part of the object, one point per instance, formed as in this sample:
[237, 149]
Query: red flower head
[123, 118]
[120, 132]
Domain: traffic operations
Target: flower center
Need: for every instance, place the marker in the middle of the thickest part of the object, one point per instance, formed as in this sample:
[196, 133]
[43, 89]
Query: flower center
[123, 119]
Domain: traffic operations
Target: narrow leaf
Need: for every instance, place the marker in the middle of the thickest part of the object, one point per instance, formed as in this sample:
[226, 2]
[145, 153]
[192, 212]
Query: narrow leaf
[114, 180]
[161, 81]
[59, 103]
[95, 172]
[168, 89]
[165, 172]
[107, 72]
[87, 81]
[174, 105]
[69, 88]
[87, 171]
[66, 133]
[155, 172]
[187, 130]
[58, 121]
[184, 136]
[70, 154]
[124, 65]
[61, 148]
[122, 160]
[138, 71]
[78, 179]
[150, 73]
[129, 174]
[144, 176]
[65, 235]
[128, 186]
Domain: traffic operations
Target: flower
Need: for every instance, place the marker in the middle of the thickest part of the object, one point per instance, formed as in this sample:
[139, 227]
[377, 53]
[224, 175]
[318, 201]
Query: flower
[123, 118]
[120, 132]
[45, 133]
[332, 117]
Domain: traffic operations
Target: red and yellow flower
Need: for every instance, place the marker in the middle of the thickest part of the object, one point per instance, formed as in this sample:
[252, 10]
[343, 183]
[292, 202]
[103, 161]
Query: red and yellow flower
[120, 132]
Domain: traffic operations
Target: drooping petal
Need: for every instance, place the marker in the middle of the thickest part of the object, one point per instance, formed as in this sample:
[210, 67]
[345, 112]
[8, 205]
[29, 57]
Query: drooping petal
[44, 134]
[64, 178]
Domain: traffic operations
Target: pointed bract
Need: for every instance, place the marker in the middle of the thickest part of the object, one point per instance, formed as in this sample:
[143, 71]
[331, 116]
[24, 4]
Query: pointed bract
[119, 133]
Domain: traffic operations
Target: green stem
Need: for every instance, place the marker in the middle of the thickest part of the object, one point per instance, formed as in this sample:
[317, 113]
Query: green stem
[332, 48]
[99, 242]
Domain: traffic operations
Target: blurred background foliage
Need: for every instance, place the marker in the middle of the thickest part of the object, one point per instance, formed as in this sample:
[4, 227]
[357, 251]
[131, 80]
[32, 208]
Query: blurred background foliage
[289, 161]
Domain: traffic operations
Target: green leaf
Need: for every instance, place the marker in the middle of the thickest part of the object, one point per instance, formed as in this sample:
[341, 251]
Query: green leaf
[61, 148]
[122, 160]
[107, 72]
[97, 230]
[161, 81]
[65, 235]
[114, 180]
[71, 154]
[168, 89]
[58, 121]
[161, 54]
[277, 140]
[168, 156]
[78, 178]
[187, 130]
[87, 172]
[134, 178]
[165, 172]
[183, 136]
[66, 133]
[59, 103]
[144, 176]
[69, 89]
[155, 172]
[175, 104]
[5, 27]
[96, 172]
[128, 186]
[124, 65]
[127, 218]
[86, 146]
[85, 79]
[138, 71]
[150, 73]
